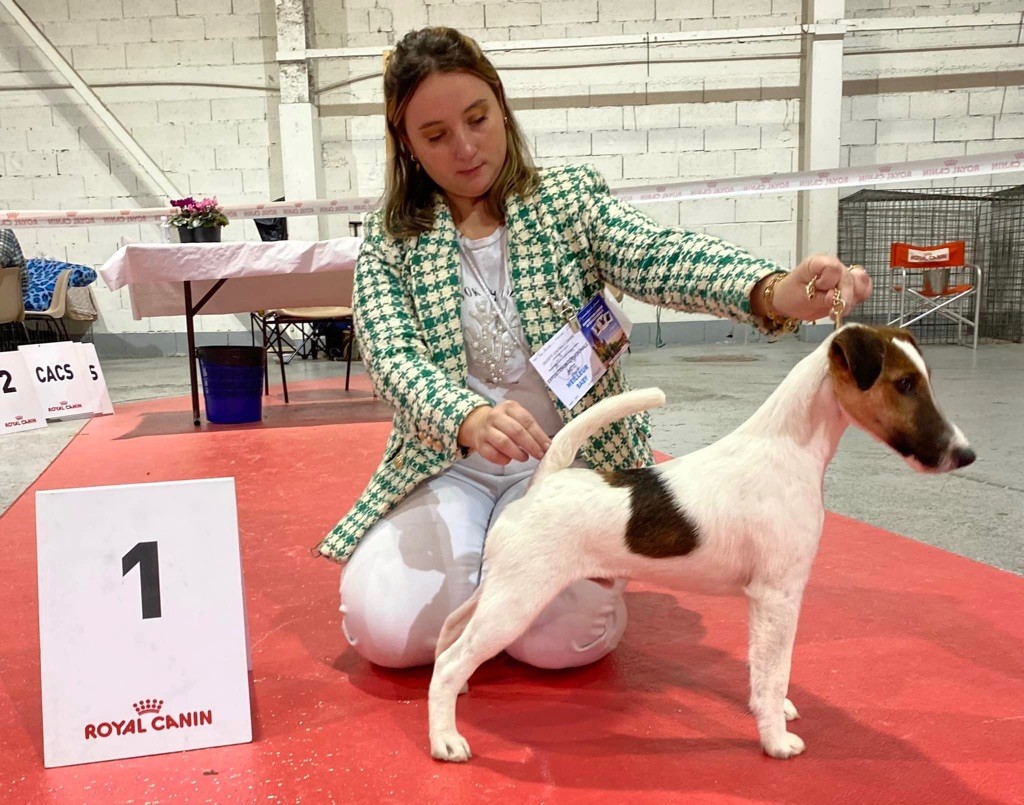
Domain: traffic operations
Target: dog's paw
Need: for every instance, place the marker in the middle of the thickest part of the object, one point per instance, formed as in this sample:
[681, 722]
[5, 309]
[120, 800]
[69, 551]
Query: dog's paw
[788, 746]
[789, 710]
[450, 746]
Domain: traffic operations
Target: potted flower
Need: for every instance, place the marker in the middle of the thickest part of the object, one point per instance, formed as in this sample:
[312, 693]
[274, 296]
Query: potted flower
[198, 221]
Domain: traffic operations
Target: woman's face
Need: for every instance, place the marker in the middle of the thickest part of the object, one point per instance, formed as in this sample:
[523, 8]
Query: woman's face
[455, 127]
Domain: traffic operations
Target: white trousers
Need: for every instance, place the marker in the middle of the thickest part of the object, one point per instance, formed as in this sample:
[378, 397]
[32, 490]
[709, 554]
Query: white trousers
[424, 559]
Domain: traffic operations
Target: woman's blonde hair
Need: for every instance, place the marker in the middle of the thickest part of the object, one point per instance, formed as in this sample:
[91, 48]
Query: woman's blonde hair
[408, 190]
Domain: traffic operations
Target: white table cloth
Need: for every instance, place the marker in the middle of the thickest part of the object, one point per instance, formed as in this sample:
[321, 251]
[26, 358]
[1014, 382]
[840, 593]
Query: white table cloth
[261, 276]
[255, 276]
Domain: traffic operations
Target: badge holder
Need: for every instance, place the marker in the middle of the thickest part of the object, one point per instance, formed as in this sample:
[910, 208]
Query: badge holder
[592, 339]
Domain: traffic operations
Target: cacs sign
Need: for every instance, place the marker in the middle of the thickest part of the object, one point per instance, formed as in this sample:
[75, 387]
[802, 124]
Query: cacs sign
[61, 377]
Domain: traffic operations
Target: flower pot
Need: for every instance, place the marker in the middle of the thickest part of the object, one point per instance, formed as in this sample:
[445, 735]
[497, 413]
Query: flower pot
[185, 234]
[207, 234]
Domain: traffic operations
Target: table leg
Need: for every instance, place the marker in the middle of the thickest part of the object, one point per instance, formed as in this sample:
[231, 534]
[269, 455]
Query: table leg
[191, 332]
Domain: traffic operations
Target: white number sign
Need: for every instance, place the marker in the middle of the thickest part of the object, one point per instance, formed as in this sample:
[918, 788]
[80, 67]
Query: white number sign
[100, 400]
[60, 375]
[141, 621]
[19, 404]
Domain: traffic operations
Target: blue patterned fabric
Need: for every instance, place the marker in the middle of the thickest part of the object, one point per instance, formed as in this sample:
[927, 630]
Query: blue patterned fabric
[40, 277]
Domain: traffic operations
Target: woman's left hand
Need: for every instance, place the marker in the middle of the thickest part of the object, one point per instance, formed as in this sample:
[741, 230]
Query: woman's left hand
[827, 272]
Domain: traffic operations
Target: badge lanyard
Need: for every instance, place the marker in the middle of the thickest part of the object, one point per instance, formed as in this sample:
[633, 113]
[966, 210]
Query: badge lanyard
[492, 295]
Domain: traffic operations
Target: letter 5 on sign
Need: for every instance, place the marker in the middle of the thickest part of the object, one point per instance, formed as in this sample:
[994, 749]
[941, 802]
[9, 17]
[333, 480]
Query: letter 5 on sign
[60, 373]
[100, 398]
[142, 638]
[20, 408]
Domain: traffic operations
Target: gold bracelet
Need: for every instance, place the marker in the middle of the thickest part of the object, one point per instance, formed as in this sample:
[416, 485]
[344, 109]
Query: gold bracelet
[782, 323]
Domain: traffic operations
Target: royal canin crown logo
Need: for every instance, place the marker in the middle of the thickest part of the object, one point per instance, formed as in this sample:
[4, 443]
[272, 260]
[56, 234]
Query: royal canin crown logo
[884, 168]
[949, 163]
[149, 718]
[14, 215]
[823, 174]
[148, 706]
[1018, 154]
[711, 184]
[764, 179]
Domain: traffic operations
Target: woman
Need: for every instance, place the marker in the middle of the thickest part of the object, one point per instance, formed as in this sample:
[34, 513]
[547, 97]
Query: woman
[472, 265]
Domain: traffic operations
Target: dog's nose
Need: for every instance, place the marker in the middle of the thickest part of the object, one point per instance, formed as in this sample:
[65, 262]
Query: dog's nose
[963, 457]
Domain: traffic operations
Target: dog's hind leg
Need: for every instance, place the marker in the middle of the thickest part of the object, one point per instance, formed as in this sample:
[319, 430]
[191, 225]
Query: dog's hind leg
[773, 614]
[503, 611]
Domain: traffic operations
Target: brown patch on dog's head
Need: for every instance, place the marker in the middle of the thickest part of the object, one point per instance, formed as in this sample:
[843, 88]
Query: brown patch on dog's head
[882, 382]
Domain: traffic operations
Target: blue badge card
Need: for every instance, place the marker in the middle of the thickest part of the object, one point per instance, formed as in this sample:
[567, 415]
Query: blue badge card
[602, 330]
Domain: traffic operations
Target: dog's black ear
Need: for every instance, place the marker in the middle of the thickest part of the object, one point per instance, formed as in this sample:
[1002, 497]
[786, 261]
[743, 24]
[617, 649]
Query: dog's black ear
[860, 352]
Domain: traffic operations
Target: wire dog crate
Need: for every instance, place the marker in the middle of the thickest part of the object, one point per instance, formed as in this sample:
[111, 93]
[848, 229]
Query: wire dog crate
[1002, 315]
[990, 221]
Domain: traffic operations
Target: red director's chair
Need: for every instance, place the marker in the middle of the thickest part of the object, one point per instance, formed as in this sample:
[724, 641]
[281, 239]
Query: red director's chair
[937, 265]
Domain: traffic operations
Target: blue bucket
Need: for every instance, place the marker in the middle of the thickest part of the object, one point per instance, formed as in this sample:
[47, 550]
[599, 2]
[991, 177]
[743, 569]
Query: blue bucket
[232, 383]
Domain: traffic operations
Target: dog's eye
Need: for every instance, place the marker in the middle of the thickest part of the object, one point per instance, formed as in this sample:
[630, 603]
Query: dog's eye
[905, 385]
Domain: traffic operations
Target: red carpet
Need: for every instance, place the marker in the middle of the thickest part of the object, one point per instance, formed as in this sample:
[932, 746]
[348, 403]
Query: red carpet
[908, 672]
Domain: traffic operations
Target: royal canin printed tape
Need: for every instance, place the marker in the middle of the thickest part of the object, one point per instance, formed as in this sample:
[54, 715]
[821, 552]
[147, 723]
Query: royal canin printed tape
[870, 175]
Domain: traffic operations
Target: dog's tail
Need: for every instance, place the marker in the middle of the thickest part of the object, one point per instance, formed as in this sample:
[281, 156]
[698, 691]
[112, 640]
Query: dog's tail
[456, 623]
[570, 438]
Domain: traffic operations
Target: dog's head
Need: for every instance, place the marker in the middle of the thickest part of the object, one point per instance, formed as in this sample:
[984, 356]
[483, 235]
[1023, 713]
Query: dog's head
[884, 386]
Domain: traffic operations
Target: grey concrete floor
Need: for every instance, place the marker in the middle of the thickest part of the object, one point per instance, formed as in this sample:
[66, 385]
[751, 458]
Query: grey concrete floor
[977, 512]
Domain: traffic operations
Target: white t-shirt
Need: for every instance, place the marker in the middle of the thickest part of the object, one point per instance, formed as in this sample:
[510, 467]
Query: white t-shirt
[499, 369]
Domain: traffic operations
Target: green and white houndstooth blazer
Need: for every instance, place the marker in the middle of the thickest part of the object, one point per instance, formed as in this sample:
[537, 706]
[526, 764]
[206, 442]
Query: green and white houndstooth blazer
[565, 241]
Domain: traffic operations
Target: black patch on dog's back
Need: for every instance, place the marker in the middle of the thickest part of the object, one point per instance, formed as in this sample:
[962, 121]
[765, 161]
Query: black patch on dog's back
[657, 527]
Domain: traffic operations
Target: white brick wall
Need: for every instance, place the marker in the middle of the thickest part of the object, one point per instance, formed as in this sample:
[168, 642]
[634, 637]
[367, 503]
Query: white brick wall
[634, 122]
[625, 10]
[882, 107]
[556, 12]
[906, 131]
[55, 154]
[960, 129]
[619, 142]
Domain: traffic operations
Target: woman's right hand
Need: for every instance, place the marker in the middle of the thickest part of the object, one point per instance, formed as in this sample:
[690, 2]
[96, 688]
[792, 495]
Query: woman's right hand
[507, 432]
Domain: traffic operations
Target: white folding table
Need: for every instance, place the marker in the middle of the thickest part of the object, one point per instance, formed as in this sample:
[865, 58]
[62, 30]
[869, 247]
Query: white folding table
[164, 278]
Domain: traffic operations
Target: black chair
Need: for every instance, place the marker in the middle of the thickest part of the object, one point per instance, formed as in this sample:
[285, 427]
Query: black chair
[314, 324]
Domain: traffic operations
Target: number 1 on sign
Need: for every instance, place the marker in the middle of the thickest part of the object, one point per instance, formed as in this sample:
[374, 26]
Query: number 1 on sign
[145, 555]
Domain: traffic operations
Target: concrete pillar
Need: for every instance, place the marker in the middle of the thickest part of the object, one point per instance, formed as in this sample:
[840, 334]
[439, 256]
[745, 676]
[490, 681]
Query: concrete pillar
[822, 96]
[301, 145]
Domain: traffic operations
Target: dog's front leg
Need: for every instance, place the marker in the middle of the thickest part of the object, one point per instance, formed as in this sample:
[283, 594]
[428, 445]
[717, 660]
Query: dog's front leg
[773, 614]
